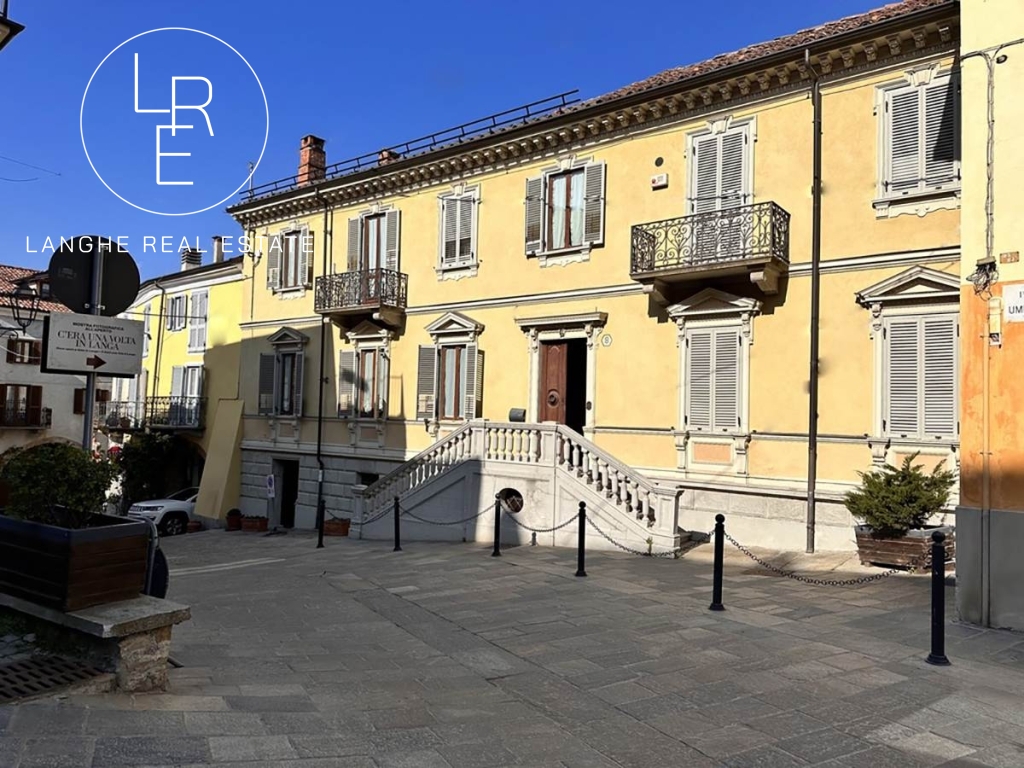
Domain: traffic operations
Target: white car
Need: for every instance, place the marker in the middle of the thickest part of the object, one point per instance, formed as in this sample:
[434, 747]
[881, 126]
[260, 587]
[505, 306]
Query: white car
[170, 515]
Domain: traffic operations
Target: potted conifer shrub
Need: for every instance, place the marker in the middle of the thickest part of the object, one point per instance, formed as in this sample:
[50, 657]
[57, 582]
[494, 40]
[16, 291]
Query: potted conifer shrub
[234, 520]
[895, 505]
[56, 548]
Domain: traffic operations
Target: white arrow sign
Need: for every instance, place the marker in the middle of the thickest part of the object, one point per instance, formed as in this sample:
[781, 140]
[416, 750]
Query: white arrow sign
[106, 346]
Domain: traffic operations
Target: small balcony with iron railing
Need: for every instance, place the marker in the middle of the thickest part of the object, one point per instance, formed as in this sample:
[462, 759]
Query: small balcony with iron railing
[176, 412]
[25, 417]
[752, 239]
[378, 293]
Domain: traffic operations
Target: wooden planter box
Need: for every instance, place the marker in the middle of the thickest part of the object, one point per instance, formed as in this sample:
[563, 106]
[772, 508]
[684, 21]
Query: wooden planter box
[336, 526]
[914, 548]
[254, 523]
[73, 569]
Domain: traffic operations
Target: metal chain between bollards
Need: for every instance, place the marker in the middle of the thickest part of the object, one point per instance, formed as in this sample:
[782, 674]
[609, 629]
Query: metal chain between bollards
[673, 553]
[824, 582]
[414, 516]
[541, 530]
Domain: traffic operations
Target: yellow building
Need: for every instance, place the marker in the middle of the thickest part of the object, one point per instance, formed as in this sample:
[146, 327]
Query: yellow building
[633, 273]
[990, 520]
[189, 384]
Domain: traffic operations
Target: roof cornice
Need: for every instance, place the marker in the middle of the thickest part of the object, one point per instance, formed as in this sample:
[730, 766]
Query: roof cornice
[929, 32]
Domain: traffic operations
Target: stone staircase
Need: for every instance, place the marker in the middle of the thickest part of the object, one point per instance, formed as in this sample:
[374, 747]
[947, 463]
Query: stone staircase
[553, 467]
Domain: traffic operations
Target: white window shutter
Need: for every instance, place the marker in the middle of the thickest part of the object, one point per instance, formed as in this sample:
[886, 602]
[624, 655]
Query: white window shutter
[467, 229]
[354, 233]
[726, 378]
[940, 134]
[469, 382]
[146, 331]
[698, 380]
[534, 215]
[169, 319]
[202, 318]
[346, 383]
[904, 141]
[904, 375]
[704, 189]
[133, 389]
[274, 263]
[300, 360]
[593, 210]
[383, 379]
[177, 380]
[392, 239]
[732, 190]
[193, 331]
[940, 376]
[304, 244]
[426, 378]
[450, 227]
[267, 390]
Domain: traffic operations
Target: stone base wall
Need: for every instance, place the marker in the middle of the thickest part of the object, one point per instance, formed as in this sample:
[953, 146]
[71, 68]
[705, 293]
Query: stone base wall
[989, 567]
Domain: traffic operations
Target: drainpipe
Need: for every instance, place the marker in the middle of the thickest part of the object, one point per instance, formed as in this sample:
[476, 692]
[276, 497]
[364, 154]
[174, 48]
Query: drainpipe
[320, 401]
[991, 57]
[812, 416]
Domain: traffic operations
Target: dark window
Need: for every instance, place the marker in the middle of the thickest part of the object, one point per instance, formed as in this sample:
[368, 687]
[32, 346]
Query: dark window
[24, 351]
[450, 394]
[566, 202]
[372, 256]
[287, 395]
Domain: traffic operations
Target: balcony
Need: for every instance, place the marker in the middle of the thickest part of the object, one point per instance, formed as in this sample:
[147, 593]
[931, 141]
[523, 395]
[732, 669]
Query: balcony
[163, 413]
[752, 239]
[22, 417]
[379, 293]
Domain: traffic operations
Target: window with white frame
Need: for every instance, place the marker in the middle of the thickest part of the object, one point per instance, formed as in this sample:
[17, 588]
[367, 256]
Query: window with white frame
[363, 381]
[565, 208]
[290, 260]
[920, 136]
[280, 385]
[146, 323]
[715, 331]
[176, 313]
[373, 242]
[449, 378]
[458, 238]
[197, 330]
[920, 388]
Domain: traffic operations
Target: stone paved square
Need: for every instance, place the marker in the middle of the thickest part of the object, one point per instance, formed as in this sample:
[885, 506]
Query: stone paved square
[440, 655]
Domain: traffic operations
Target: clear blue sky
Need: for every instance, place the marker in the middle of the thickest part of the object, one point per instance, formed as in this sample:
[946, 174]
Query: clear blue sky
[361, 75]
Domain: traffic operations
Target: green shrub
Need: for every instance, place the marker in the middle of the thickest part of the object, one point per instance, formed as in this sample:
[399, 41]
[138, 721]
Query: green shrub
[45, 478]
[144, 461]
[893, 501]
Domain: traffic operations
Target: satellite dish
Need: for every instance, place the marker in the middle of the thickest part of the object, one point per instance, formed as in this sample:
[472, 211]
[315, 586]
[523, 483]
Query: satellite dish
[70, 274]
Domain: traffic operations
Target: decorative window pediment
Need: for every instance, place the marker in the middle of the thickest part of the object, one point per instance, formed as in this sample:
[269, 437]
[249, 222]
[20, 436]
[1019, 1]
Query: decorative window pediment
[917, 285]
[713, 305]
[286, 336]
[452, 325]
[367, 332]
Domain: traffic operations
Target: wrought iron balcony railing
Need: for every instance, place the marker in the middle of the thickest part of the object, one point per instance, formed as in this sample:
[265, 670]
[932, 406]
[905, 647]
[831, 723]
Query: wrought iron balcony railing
[22, 417]
[175, 412]
[758, 232]
[362, 290]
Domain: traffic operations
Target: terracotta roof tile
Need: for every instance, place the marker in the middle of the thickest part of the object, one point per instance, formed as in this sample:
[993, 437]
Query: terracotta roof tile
[10, 277]
[761, 50]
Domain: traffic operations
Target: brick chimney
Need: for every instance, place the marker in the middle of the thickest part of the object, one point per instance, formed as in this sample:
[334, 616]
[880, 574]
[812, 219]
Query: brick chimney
[218, 249]
[312, 160]
[190, 259]
[387, 156]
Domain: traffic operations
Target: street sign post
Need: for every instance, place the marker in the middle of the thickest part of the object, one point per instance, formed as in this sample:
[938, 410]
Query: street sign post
[92, 344]
[94, 275]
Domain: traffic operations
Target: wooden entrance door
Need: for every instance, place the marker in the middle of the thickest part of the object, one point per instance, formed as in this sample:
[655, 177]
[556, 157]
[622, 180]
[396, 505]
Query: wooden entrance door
[553, 377]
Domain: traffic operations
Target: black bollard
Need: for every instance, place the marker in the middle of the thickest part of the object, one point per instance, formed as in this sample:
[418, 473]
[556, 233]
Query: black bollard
[497, 526]
[716, 582]
[938, 654]
[398, 529]
[321, 513]
[581, 546]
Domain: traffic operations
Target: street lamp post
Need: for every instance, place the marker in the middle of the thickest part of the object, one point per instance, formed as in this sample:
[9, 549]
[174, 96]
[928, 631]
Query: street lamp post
[24, 306]
[8, 27]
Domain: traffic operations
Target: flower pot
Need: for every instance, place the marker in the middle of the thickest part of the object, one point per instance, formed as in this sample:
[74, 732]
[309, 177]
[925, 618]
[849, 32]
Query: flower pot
[233, 522]
[73, 569]
[251, 523]
[194, 526]
[912, 549]
[336, 526]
